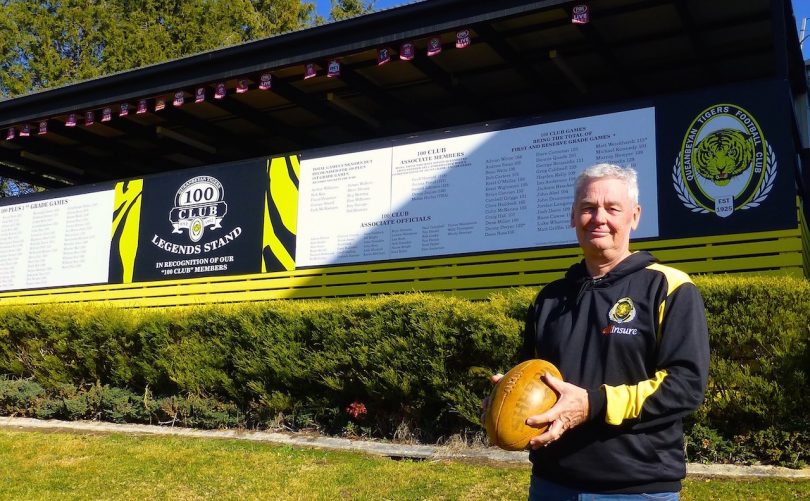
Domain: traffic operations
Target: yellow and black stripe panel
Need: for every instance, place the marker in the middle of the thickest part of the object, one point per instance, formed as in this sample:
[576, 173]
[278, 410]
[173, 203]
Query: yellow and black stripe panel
[280, 214]
[125, 228]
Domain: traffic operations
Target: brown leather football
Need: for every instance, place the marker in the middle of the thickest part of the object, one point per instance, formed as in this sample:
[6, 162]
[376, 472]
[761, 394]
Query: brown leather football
[519, 394]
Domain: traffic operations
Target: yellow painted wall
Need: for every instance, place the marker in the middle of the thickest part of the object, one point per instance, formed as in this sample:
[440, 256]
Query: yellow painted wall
[475, 277]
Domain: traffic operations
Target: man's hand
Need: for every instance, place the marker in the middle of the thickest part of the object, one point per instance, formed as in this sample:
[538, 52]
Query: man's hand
[494, 379]
[570, 410]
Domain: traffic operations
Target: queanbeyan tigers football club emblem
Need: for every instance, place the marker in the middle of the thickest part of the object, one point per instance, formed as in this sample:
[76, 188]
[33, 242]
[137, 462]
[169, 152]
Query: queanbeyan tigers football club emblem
[623, 311]
[725, 163]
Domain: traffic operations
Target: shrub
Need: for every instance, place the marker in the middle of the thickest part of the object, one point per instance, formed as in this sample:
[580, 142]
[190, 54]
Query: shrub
[417, 363]
[195, 411]
[17, 396]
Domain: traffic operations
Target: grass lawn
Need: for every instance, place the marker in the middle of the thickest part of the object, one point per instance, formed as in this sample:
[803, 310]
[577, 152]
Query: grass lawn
[38, 465]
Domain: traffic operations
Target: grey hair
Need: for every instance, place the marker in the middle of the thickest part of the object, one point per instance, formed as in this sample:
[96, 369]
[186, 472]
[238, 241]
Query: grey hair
[602, 171]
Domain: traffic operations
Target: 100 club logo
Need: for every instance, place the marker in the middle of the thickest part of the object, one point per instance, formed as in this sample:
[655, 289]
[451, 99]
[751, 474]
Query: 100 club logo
[199, 205]
[725, 163]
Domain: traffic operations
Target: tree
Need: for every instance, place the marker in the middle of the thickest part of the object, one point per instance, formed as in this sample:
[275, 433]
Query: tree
[49, 43]
[344, 9]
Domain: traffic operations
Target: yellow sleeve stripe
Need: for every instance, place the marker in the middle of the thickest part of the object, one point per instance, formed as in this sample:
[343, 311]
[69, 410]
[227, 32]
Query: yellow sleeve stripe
[625, 401]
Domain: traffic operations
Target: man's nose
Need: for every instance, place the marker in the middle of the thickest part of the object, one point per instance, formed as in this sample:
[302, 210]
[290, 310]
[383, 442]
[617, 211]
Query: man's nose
[600, 215]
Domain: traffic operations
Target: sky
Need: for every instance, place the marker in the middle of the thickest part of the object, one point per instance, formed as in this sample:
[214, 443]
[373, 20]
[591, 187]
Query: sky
[801, 9]
[322, 6]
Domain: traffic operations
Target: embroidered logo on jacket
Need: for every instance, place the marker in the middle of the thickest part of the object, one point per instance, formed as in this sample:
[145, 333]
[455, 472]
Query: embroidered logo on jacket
[623, 311]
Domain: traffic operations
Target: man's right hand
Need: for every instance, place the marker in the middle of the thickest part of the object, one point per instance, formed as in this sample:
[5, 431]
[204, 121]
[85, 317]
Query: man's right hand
[570, 410]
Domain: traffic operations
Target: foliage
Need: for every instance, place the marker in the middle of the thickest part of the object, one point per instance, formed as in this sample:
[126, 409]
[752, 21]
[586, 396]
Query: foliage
[24, 397]
[412, 361]
[416, 364]
[706, 445]
[10, 187]
[45, 44]
[760, 338]
[344, 9]
[17, 396]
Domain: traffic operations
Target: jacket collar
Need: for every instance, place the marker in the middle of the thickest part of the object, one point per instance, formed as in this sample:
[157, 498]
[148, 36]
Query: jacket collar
[638, 260]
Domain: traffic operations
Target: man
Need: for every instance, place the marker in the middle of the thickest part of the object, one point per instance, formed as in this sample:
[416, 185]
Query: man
[631, 341]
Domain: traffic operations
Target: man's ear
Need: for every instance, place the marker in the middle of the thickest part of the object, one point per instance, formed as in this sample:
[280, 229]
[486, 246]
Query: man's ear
[572, 217]
[636, 216]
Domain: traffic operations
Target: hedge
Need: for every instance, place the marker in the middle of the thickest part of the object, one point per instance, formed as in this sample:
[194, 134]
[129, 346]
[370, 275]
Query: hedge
[413, 365]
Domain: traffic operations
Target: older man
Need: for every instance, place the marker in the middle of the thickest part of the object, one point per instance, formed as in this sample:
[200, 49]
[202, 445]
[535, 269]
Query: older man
[631, 341]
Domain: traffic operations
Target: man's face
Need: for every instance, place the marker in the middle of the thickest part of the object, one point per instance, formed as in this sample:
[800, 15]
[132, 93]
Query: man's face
[603, 215]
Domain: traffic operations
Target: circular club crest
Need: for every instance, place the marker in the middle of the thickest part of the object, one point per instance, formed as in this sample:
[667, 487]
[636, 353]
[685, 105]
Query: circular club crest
[623, 311]
[725, 163]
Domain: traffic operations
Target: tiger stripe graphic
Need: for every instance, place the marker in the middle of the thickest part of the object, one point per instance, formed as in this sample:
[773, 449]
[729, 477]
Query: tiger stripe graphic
[280, 214]
[125, 229]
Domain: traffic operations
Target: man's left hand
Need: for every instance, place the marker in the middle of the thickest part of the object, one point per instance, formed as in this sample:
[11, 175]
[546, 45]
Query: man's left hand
[570, 410]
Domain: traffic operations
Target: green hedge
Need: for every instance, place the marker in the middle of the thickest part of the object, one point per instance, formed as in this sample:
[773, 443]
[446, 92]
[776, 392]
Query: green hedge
[414, 365]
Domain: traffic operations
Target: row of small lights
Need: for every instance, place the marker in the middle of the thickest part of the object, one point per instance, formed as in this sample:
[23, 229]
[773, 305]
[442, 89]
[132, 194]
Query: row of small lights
[407, 51]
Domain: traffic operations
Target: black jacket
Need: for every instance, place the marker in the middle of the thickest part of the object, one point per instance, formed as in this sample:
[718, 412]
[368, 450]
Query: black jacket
[637, 340]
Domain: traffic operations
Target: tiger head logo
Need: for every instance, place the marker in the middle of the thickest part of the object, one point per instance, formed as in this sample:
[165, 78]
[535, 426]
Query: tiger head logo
[722, 155]
[725, 163]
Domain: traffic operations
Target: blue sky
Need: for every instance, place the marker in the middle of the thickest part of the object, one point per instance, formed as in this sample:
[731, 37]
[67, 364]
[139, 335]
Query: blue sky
[322, 6]
[801, 9]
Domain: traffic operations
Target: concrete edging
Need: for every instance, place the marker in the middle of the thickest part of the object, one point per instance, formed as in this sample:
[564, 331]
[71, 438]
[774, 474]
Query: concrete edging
[387, 449]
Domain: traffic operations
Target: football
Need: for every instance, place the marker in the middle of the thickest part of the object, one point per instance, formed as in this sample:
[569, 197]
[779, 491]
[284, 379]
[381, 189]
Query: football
[519, 394]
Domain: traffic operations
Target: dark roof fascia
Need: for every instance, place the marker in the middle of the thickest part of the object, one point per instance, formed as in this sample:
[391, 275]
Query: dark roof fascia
[308, 45]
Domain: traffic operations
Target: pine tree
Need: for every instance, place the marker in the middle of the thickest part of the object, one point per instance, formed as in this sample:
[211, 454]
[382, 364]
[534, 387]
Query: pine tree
[50, 43]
